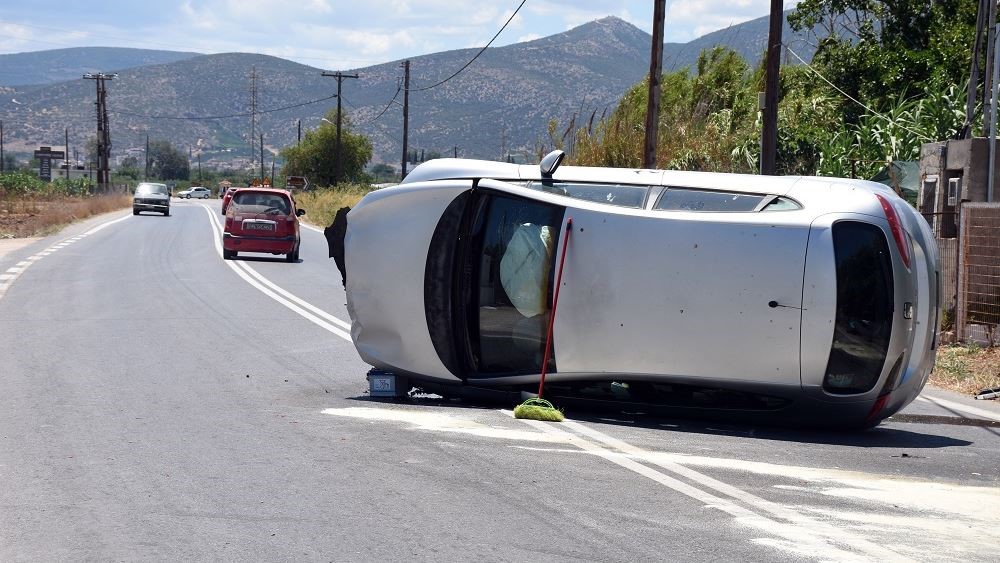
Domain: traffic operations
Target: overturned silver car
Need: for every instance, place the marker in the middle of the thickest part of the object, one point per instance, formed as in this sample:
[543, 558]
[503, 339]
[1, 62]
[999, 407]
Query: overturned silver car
[807, 295]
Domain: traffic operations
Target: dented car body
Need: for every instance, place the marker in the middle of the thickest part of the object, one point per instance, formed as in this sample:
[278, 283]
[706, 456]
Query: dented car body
[815, 296]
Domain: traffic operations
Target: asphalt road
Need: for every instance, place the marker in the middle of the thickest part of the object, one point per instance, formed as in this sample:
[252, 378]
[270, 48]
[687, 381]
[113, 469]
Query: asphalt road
[159, 403]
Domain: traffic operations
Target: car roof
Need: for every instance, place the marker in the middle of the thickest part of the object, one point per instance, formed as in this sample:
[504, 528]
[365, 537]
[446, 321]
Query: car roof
[265, 191]
[457, 168]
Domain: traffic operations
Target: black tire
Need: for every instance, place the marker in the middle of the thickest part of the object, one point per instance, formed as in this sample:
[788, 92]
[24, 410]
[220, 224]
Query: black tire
[228, 254]
[135, 212]
[166, 213]
[293, 256]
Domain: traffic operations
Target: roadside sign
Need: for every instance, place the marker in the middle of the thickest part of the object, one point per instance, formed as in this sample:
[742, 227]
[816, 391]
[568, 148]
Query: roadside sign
[45, 156]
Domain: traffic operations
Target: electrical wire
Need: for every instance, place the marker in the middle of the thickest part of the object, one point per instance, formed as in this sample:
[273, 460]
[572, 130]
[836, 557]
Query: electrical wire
[473, 59]
[849, 97]
[381, 113]
[210, 117]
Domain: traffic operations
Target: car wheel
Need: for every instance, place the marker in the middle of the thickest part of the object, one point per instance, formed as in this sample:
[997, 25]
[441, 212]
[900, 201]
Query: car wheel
[228, 254]
[166, 213]
[135, 212]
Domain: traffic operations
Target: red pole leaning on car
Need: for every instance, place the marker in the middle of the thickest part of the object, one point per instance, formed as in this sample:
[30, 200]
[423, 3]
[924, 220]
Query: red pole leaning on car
[555, 303]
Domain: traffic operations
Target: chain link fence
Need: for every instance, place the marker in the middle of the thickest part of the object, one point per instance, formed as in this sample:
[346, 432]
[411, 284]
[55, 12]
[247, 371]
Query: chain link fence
[978, 287]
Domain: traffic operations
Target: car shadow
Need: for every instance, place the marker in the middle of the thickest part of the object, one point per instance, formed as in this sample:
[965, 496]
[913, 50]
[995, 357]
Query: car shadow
[763, 428]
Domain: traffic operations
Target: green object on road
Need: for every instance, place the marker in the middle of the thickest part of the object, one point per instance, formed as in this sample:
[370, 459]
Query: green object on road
[538, 409]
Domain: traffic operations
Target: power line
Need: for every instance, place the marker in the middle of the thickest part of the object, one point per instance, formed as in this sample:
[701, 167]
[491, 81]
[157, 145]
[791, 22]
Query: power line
[209, 117]
[849, 97]
[385, 109]
[473, 59]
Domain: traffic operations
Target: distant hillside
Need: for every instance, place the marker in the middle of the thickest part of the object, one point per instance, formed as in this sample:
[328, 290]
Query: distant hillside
[50, 67]
[502, 102]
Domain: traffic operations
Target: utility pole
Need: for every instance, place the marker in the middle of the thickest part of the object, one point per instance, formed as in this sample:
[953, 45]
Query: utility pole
[261, 158]
[406, 116]
[146, 175]
[970, 100]
[655, 72]
[66, 160]
[455, 148]
[989, 105]
[3, 164]
[103, 132]
[199, 167]
[339, 160]
[769, 129]
[299, 140]
[253, 119]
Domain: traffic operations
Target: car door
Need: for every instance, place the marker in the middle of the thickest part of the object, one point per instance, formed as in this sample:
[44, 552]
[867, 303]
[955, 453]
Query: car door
[690, 294]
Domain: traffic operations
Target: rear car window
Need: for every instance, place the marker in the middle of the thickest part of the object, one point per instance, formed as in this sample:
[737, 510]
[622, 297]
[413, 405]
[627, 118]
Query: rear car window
[254, 202]
[863, 323]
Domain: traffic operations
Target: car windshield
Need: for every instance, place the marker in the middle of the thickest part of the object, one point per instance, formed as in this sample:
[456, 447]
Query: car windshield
[148, 189]
[255, 202]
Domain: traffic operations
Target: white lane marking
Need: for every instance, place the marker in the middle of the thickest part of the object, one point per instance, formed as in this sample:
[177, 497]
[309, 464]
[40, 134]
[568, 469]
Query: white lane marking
[244, 270]
[951, 405]
[6, 280]
[815, 537]
[775, 509]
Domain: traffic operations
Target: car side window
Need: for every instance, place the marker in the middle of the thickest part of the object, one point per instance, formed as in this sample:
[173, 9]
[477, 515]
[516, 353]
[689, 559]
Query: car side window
[685, 199]
[619, 195]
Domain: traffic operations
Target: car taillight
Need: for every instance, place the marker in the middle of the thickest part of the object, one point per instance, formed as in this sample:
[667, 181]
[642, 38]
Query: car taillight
[896, 228]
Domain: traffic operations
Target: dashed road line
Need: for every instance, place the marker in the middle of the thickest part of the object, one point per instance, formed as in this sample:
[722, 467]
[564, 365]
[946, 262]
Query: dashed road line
[7, 279]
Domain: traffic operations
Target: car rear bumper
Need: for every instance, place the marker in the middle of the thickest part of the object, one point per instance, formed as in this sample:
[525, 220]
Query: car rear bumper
[273, 245]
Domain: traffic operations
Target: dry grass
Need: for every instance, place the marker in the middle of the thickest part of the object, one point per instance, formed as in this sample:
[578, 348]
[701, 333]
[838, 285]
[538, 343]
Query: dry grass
[322, 205]
[31, 217]
[967, 369]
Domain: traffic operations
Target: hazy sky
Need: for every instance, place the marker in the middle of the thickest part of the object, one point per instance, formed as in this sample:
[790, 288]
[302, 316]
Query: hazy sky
[335, 34]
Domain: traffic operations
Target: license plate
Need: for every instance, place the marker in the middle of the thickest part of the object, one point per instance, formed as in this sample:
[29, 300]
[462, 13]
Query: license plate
[381, 383]
[258, 226]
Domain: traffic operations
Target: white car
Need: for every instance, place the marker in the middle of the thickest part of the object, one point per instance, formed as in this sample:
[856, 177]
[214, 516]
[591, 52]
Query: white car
[813, 296]
[196, 192]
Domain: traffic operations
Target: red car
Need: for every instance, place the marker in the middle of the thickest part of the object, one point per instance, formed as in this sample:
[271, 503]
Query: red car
[261, 220]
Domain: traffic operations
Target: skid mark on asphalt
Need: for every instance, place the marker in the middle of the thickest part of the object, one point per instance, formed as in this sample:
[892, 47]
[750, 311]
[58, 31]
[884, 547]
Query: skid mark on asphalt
[299, 306]
[12, 274]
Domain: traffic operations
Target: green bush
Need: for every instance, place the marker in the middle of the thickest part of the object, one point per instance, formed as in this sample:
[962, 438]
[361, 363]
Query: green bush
[21, 184]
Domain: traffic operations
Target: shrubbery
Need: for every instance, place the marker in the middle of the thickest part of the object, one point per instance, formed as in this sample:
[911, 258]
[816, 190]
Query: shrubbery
[21, 184]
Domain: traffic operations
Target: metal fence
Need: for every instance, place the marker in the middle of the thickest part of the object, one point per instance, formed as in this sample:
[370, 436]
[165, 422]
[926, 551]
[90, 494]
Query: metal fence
[978, 310]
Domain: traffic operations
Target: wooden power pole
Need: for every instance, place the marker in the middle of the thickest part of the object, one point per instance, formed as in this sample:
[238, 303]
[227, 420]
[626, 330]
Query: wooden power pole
[769, 129]
[655, 72]
[406, 117]
[339, 160]
[103, 133]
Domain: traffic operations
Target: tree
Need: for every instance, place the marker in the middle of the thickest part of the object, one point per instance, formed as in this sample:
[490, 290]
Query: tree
[167, 163]
[129, 168]
[382, 171]
[881, 51]
[316, 156]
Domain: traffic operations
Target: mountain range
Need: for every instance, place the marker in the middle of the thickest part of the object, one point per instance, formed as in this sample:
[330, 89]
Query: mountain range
[500, 103]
